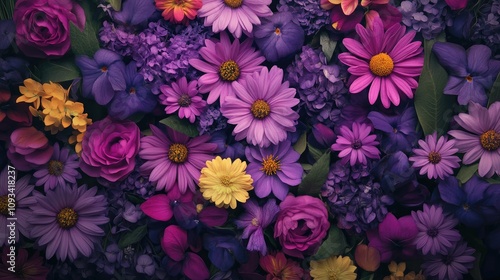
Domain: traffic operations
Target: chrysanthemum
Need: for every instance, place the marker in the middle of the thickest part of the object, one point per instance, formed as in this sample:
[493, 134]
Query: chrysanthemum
[66, 221]
[262, 108]
[182, 97]
[174, 159]
[386, 62]
[436, 231]
[225, 63]
[333, 268]
[356, 145]
[482, 139]
[235, 15]
[225, 182]
[178, 11]
[456, 262]
[436, 156]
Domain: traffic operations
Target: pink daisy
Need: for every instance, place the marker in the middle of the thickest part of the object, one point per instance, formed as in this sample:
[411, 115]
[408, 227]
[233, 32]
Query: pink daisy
[183, 97]
[262, 108]
[386, 62]
[235, 15]
[356, 145]
[225, 63]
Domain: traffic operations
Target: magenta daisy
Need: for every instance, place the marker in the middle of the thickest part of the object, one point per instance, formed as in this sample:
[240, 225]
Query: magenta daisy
[225, 63]
[436, 157]
[386, 62]
[482, 139]
[235, 15]
[173, 159]
[262, 108]
[356, 145]
[183, 98]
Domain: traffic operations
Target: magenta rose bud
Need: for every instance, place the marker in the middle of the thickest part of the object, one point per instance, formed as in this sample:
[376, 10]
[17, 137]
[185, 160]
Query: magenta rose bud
[43, 26]
[109, 148]
[301, 225]
[28, 148]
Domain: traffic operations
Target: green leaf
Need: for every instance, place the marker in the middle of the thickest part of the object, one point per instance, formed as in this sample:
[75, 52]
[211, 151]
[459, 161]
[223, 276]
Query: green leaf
[327, 45]
[365, 275]
[116, 4]
[312, 182]
[466, 172]
[495, 92]
[315, 153]
[306, 166]
[133, 237]
[58, 71]
[300, 145]
[432, 105]
[85, 42]
[335, 244]
[6, 9]
[135, 199]
[181, 125]
[493, 180]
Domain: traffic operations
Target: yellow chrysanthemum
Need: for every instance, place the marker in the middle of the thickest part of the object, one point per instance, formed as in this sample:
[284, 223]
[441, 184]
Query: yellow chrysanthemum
[32, 92]
[398, 273]
[333, 268]
[225, 182]
[56, 91]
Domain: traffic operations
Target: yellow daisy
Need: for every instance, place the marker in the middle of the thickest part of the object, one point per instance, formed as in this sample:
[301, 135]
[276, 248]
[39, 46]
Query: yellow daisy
[333, 268]
[225, 182]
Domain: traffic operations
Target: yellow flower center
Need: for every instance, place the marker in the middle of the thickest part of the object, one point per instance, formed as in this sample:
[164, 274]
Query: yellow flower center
[490, 140]
[434, 157]
[199, 207]
[55, 167]
[260, 109]
[255, 222]
[184, 100]
[277, 31]
[225, 180]
[4, 205]
[381, 64]
[177, 153]
[270, 165]
[67, 218]
[233, 3]
[229, 70]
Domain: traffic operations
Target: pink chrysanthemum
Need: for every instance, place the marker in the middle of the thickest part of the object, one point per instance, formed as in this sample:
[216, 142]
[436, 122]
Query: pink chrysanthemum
[225, 63]
[356, 145]
[178, 11]
[386, 62]
[183, 97]
[436, 158]
[262, 108]
[235, 15]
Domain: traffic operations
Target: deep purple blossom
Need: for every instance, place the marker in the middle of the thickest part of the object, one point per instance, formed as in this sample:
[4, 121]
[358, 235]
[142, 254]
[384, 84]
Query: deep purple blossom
[453, 264]
[308, 13]
[8, 32]
[425, 16]
[134, 12]
[224, 250]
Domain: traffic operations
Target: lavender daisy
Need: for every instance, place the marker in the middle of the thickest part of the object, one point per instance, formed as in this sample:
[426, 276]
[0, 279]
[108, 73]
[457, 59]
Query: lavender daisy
[274, 169]
[62, 169]
[66, 221]
[453, 264]
[357, 144]
[436, 158]
[183, 98]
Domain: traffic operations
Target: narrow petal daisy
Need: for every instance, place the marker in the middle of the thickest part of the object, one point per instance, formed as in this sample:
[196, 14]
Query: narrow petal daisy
[183, 98]
[356, 145]
[178, 11]
[335, 267]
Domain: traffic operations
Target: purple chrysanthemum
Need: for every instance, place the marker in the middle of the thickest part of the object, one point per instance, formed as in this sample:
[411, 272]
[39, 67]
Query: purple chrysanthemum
[453, 264]
[67, 221]
[224, 64]
[356, 145]
[436, 230]
[262, 108]
[60, 170]
[174, 159]
[182, 97]
[436, 156]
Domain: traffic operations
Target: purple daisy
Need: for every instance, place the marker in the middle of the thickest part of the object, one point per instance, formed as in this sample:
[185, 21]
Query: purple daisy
[436, 230]
[174, 159]
[436, 158]
[182, 97]
[356, 145]
[225, 63]
[274, 169]
[482, 139]
[235, 15]
[60, 170]
[67, 221]
[384, 61]
[262, 108]
[453, 264]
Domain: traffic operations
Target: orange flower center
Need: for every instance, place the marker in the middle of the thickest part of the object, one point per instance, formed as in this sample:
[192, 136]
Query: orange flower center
[4, 205]
[270, 165]
[469, 78]
[434, 157]
[177, 153]
[260, 109]
[381, 65]
[490, 140]
[67, 218]
[184, 100]
[229, 70]
[233, 3]
[55, 167]
[104, 69]
[277, 31]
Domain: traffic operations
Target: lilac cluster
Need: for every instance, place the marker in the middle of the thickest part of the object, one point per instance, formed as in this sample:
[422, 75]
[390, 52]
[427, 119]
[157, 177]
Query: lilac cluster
[425, 16]
[320, 86]
[308, 13]
[487, 28]
[135, 183]
[211, 120]
[117, 38]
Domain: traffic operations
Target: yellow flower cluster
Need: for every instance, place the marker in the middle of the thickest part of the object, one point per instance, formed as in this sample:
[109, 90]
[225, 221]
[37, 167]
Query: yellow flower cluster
[398, 273]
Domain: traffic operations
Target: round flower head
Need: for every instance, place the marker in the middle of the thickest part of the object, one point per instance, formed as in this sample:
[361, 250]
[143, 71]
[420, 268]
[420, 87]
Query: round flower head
[182, 97]
[262, 108]
[225, 182]
[386, 62]
[225, 63]
[178, 11]
[436, 156]
[453, 264]
[333, 268]
[356, 145]
[234, 15]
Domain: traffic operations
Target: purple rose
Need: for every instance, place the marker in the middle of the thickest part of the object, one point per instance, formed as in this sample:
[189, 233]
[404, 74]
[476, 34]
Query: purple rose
[43, 26]
[28, 148]
[109, 148]
[301, 225]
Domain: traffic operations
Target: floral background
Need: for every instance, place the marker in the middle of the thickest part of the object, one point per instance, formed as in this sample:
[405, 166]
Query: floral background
[250, 139]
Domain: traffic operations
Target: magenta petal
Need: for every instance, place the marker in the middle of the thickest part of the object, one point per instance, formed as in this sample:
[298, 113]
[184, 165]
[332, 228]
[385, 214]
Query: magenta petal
[194, 267]
[158, 207]
[174, 242]
[213, 216]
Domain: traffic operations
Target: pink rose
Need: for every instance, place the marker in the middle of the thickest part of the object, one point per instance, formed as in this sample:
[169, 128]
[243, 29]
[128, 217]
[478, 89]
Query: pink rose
[28, 148]
[301, 225]
[43, 26]
[109, 148]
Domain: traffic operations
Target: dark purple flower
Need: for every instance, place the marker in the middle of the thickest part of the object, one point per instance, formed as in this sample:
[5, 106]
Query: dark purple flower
[453, 264]
[211, 120]
[486, 27]
[145, 265]
[308, 13]
[424, 16]
[7, 32]
[134, 12]
[28, 148]
[227, 147]
[323, 135]
[224, 250]
[31, 267]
